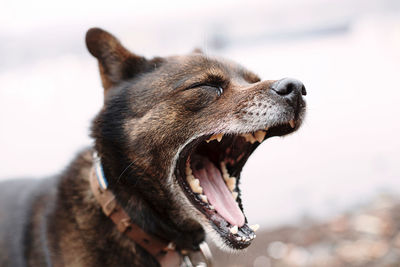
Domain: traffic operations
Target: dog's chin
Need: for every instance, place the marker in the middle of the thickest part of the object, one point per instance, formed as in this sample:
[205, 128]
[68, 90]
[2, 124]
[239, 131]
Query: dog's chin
[206, 180]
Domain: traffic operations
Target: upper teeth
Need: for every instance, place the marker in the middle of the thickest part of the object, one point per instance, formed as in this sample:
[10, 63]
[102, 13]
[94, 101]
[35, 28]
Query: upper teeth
[217, 137]
[257, 136]
[252, 138]
[249, 138]
[260, 135]
[292, 123]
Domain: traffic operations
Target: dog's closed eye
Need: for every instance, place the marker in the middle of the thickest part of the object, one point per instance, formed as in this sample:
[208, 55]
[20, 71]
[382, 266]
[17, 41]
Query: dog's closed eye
[208, 86]
[200, 96]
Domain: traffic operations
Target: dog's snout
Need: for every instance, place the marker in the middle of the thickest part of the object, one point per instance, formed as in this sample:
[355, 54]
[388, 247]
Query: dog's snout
[288, 86]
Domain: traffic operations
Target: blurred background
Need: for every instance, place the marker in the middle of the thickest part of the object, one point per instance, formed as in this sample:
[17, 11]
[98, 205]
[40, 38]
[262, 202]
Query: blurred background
[325, 196]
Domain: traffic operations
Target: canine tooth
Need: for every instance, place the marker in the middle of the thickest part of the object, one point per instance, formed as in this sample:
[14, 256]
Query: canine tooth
[204, 198]
[235, 195]
[210, 139]
[195, 186]
[234, 229]
[231, 183]
[292, 123]
[249, 138]
[260, 135]
[217, 137]
[211, 207]
[238, 238]
[254, 227]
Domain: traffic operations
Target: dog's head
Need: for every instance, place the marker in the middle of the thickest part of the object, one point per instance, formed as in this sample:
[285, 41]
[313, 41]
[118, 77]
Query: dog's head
[175, 133]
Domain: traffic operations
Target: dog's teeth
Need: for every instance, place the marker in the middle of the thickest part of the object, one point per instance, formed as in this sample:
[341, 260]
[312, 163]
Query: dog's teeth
[204, 198]
[195, 186]
[234, 229]
[224, 169]
[249, 138]
[292, 123]
[217, 137]
[260, 135]
[238, 238]
[188, 170]
[235, 195]
[190, 178]
[247, 239]
[211, 207]
[231, 183]
[210, 139]
[254, 227]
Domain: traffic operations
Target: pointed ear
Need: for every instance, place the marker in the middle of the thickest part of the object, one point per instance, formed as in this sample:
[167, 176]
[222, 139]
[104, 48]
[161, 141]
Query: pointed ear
[116, 63]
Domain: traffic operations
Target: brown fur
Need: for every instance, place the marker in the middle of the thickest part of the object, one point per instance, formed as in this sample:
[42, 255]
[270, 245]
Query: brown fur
[151, 109]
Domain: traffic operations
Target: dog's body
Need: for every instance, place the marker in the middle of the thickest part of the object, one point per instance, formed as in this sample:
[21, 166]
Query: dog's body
[156, 115]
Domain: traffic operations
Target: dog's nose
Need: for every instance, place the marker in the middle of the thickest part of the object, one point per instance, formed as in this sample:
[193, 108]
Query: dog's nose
[288, 86]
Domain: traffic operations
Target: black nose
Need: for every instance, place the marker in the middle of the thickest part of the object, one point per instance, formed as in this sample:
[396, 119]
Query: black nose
[288, 87]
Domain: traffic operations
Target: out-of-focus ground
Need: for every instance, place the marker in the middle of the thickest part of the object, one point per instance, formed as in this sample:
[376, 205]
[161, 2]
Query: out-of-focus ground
[347, 53]
[368, 235]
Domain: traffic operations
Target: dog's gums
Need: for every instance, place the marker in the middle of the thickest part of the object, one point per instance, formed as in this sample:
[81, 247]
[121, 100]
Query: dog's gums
[208, 170]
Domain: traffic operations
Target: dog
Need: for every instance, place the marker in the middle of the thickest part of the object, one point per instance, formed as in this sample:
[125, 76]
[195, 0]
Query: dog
[169, 146]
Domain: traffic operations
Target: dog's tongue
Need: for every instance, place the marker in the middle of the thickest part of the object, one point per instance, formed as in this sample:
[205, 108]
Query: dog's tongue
[216, 190]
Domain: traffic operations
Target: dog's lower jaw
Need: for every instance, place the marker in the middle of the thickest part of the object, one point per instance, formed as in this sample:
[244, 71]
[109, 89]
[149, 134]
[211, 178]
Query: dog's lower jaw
[189, 213]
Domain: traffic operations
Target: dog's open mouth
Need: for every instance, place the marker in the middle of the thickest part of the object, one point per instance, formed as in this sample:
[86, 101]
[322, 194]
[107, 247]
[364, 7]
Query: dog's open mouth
[208, 170]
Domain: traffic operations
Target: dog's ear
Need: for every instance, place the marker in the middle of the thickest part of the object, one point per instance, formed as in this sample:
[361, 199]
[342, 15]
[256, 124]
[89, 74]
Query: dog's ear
[116, 63]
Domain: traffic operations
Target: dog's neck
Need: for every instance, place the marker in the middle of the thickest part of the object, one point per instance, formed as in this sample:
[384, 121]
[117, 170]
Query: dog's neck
[151, 217]
[96, 234]
[164, 252]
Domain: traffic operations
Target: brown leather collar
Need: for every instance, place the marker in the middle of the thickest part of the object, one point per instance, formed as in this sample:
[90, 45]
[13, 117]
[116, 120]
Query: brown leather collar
[164, 252]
